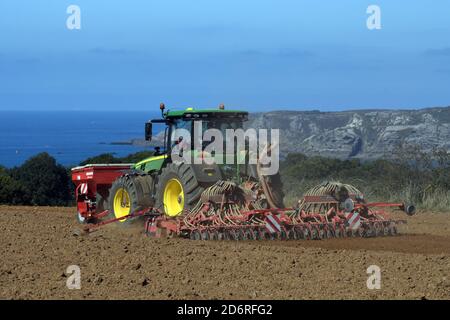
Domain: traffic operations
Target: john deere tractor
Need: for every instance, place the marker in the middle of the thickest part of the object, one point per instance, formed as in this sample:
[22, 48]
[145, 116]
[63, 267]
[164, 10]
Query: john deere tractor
[173, 186]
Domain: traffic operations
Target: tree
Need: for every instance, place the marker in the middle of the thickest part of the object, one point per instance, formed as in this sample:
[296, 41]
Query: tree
[44, 181]
[11, 191]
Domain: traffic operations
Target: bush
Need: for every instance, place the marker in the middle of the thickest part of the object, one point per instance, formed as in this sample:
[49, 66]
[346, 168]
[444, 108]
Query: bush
[43, 181]
[411, 175]
[11, 191]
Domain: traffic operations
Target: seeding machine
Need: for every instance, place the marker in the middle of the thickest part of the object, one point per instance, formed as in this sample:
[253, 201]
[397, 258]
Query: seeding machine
[219, 201]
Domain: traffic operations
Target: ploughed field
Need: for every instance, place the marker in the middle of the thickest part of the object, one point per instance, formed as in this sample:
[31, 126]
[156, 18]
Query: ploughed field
[38, 244]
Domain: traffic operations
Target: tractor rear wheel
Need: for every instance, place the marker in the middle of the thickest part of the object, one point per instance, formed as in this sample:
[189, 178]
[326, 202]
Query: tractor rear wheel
[128, 194]
[177, 189]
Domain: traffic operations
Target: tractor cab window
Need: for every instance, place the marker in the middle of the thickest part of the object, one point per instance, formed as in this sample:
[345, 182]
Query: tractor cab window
[221, 124]
[187, 134]
[180, 124]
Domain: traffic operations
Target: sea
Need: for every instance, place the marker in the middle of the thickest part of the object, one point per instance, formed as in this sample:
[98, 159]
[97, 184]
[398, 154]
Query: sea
[69, 136]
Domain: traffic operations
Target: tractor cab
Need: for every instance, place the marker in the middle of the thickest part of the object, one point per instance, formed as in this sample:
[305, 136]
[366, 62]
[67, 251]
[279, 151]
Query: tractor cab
[188, 121]
[219, 119]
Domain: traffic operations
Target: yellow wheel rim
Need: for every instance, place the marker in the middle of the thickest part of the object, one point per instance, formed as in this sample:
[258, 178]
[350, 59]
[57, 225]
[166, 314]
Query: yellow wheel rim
[122, 204]
[173, 198]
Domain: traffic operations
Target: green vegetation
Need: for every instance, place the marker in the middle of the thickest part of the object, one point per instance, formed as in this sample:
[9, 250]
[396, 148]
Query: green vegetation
[411, 175]
[11, 190]
[418, 177]
[39, 181]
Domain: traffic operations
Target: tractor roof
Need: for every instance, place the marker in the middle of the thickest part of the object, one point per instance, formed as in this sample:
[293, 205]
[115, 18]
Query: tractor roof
[190, 112]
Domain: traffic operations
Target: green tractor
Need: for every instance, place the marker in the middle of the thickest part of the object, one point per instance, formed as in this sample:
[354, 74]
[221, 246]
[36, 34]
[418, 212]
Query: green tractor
[174, 187]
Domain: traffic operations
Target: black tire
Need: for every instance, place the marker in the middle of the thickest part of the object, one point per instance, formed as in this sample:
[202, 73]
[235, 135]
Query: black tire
[184, 173]
[140, 191]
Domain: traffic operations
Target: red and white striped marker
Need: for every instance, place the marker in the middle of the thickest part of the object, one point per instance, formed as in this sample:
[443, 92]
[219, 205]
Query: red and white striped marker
[273, 223]
[151, 228]
[353, 219]
[83, 188]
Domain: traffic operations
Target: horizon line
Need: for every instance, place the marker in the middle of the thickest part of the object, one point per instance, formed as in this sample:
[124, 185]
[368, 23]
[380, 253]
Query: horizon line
[312, 109]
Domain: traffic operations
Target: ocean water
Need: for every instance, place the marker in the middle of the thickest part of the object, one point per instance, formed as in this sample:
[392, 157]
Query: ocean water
[69, 136]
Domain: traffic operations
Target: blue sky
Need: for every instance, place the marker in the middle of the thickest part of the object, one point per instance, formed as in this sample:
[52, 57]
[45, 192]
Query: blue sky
[254, 54]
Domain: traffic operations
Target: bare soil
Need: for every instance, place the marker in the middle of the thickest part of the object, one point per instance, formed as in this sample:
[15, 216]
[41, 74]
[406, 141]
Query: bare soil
[38, 244]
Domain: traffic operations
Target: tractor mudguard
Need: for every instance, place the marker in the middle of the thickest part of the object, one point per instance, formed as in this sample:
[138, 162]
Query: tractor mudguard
[152, 164]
